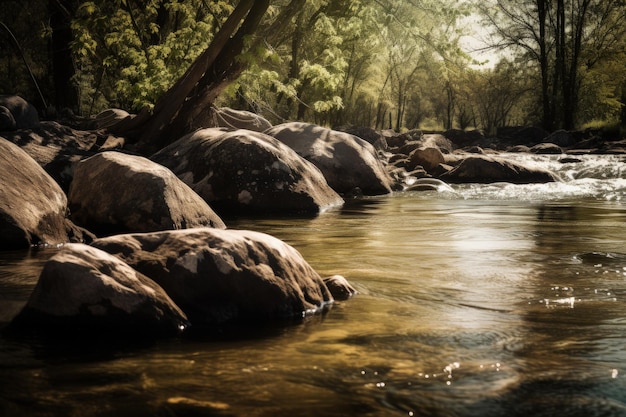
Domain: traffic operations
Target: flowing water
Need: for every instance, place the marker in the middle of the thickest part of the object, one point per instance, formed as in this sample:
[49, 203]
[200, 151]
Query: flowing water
[492, 300]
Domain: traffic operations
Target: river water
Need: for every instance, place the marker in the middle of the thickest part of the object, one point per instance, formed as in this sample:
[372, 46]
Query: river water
[491, 300]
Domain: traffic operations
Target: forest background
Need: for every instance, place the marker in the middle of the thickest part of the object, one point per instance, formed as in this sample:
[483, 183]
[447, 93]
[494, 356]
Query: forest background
[398, 64]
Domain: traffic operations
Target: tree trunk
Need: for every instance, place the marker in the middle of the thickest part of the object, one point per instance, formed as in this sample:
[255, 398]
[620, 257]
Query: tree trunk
[177, 111]
[63, 71]
[547, 116]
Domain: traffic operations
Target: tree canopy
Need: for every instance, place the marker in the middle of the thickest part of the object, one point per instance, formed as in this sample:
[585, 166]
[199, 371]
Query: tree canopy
[395, 64]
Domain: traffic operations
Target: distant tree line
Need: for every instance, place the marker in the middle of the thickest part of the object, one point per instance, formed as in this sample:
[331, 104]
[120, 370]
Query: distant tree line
[386, 64]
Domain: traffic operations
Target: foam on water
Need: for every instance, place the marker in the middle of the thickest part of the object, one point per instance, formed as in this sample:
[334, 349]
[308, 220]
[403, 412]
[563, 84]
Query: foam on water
[600, 177]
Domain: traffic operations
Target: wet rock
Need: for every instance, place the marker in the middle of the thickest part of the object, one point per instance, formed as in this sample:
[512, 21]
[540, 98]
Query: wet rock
[570, 160]
[346, 161]
[546, 149]
[487, 169]
[82, 288]
[114, 192]
[248, 172]
[429, 184]
[429, 158]
[24, 114]
[519, 149]
[239, 119]
[339, 287]
[218, 276]
[33, 207]
[475, 149]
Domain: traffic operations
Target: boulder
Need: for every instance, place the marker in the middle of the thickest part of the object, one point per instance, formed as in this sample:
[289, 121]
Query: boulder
[82, 288]
[57, 148]
[109, 118]
[7, 121]
[408, 147]
[427, 157]
[248, 172]
[339, 287]
[396, 140]
[239, 119]
[218, 276]
[487, 169]
[24, 114]
[462, 138]
[561, 138]
[374, 137]
[435, 140]
[546, 149]
[519, 149]
[114, 192]
[429, 184]
[33, 207]
[347, 162]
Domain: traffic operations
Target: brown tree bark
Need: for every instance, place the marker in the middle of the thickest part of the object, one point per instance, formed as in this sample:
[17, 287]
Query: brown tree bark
[185, 106]
[174, 114]
[63, 71]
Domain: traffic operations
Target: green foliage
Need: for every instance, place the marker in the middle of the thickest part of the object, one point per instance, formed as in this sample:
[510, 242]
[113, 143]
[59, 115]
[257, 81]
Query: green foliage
[24, 22]
[576, 49]
[135, 50]
[393, 63]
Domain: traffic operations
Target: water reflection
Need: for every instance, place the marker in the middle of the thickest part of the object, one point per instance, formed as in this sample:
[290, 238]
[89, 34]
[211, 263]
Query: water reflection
[465, 282]
[451, 320]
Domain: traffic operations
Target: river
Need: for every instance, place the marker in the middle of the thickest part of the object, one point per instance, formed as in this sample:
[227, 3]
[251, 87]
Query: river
[489, 300]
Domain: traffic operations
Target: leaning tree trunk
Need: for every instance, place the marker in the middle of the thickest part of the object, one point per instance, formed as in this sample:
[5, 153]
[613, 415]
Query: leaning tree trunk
[185, 106]
[176, 112]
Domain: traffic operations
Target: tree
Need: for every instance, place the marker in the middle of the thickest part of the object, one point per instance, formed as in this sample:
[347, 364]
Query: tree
[564, 39]
[130, 52]
[187, 102]
[24, 57]
[61, 38]
[495, 97]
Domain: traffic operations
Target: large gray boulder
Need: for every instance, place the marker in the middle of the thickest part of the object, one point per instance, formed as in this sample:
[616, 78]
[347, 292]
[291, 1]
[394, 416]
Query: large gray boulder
[349, 163]
[33, 208]
[487, 169]
[83, 288]
[114, 192]
[249, 172]
[218, 276]
[24, 114]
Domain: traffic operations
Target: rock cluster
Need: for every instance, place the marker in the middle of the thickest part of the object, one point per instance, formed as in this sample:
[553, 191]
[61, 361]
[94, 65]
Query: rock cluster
[164, 259]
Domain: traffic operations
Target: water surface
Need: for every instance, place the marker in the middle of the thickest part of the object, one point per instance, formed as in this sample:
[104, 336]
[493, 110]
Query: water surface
[490, 300]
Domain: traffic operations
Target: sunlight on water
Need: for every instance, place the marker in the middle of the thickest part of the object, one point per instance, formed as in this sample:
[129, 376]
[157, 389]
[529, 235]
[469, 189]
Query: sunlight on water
[493, 300]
